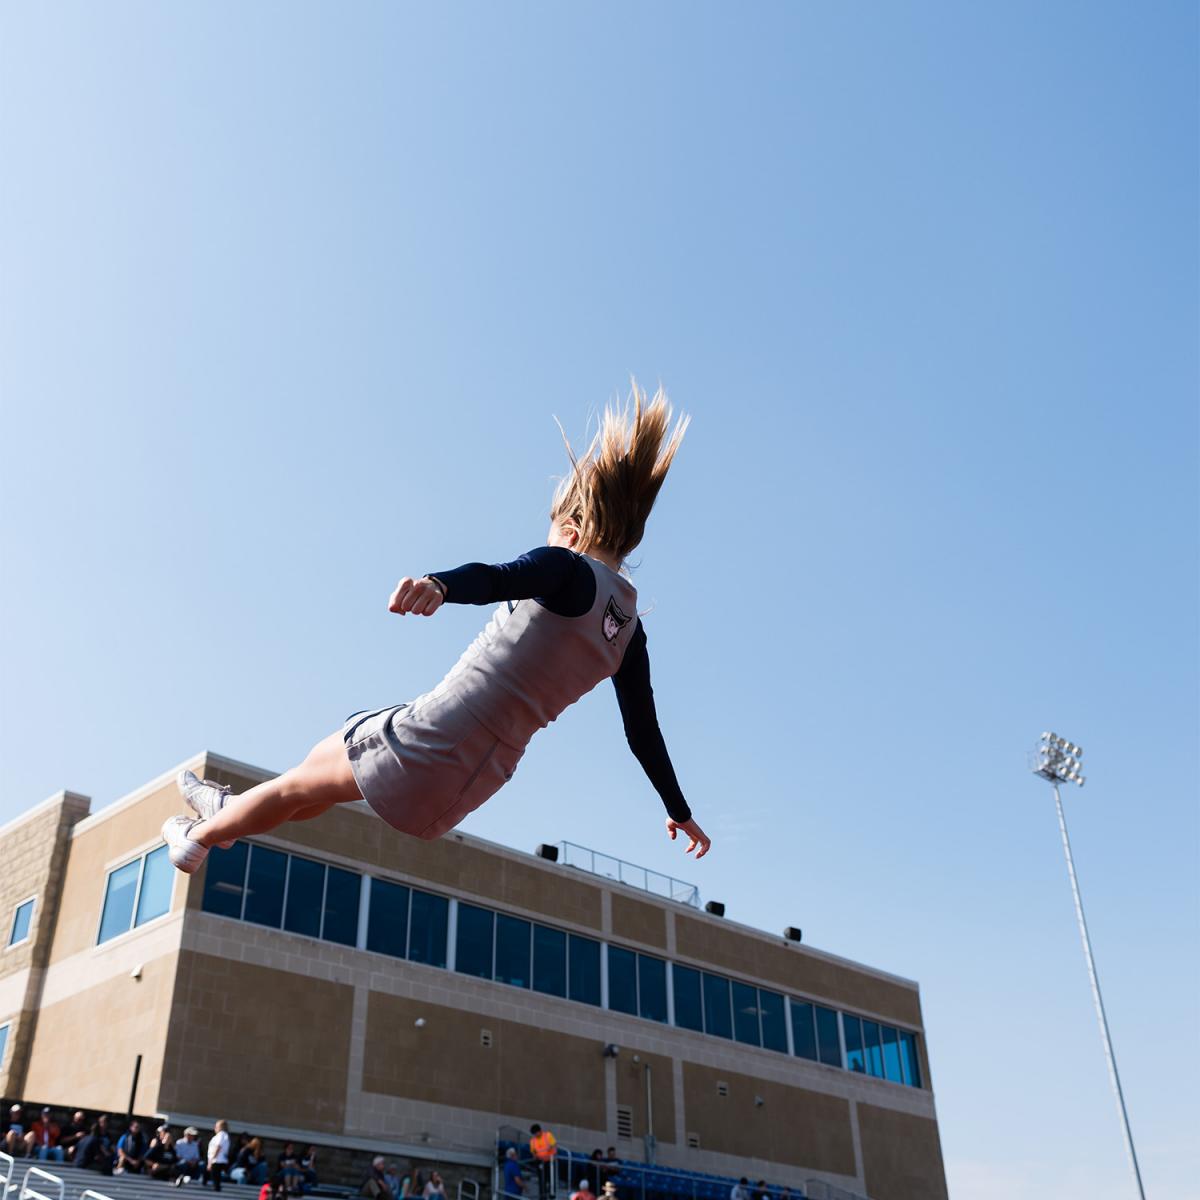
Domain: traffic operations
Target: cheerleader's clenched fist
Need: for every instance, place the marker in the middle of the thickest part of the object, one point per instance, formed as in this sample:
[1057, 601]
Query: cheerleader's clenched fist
[420, 596]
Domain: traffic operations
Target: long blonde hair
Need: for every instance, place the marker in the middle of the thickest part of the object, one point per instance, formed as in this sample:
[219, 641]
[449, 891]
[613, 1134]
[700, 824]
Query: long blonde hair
[611, 489]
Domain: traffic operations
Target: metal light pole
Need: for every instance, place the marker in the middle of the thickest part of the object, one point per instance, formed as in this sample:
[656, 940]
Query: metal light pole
[1057, 761]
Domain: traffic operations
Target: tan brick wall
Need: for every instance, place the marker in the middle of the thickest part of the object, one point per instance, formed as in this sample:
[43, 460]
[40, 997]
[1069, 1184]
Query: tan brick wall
[631, 1090]
[793, 1125]
[86, 1044]
[96, 848]
[902, 1155]
[634, 920]
[33, 855]
[795, 969]
[257, 1045]
[527, 1074]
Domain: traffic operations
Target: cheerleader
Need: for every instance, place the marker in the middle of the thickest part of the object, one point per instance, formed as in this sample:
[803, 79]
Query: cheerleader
[565, 619]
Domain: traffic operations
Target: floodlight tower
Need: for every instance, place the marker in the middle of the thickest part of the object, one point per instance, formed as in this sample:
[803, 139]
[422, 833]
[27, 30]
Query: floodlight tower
[1057, 761]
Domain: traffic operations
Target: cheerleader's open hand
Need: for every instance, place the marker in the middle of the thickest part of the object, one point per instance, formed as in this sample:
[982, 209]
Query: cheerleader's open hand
[420, 596]
[697, 836]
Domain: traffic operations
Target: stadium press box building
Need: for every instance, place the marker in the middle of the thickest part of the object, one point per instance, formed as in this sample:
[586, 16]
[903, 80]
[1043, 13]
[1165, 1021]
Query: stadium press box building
[340, 983]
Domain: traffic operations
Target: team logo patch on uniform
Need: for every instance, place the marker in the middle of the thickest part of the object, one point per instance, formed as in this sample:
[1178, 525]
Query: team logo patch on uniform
[614, 620]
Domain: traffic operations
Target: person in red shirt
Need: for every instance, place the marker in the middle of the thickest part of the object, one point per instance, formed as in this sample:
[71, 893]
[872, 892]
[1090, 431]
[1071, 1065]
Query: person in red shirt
[42, 1139]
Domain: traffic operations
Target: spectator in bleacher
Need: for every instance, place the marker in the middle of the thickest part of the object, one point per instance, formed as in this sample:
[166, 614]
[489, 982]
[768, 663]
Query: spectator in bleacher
[161, 1155]
[218, 1155]
[250, 1166]
[288, 1166]
[188, 1150]
[585, 1191]
[14, 1132]
[740, 1190]
[42, 1139]
[612, 1165]
[308, 1164]
[543, 1145]
[131, 1150]
[73, 1134]
[397, 1185]
[375, 1185]
[761, 1192]
[94, 1153]
[514, 1182]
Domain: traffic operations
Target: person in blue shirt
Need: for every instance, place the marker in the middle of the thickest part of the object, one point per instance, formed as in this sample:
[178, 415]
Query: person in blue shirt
[514, 1184]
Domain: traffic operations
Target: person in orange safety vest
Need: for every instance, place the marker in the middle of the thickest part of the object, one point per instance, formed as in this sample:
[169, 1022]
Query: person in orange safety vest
[543, 1145]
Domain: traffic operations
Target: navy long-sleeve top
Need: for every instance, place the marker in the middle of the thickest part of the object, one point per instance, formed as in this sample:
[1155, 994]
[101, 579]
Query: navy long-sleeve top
[562, 581]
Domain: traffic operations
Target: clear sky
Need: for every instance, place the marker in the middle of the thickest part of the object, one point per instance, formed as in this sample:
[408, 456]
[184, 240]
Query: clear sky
[290, 293]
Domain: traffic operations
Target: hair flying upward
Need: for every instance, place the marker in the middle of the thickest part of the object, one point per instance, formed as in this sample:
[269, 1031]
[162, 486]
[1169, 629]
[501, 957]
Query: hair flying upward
[612, 488]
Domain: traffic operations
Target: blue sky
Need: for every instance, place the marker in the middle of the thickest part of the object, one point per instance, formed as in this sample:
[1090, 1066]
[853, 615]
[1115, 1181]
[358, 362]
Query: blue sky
[290, 296]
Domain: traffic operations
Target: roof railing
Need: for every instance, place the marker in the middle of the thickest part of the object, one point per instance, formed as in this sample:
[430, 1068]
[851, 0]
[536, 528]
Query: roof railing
[606, 865]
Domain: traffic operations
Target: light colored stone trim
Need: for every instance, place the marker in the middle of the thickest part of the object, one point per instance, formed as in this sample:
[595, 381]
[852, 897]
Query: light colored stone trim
[70, 976]
[13, 990]
[857, 1140]
[201, 760]
[40, 808]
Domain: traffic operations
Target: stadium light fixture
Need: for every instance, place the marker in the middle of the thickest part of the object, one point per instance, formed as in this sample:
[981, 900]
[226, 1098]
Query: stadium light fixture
[1057, 760]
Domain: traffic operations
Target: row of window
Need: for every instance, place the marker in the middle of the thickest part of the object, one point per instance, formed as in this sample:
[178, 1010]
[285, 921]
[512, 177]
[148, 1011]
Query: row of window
[284, 891]
[3, 1044]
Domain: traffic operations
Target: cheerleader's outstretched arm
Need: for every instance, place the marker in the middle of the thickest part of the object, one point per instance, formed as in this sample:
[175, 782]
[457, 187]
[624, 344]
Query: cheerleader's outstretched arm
[635, 697]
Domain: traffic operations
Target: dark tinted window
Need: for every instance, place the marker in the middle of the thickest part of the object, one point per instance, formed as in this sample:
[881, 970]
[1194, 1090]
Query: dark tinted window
[804, 1033]
[717, 1019]
[512, 951]
[774, 1031]
[908, 1059]
[549, 961]
[118, 900]
[891, 1054]
[224, 880]
[745, 1013]
[652, 988]
[828, 1046]
[473, 955]
[856, 1059]
[343, 890]
[305, 894]
[584, 970]
[427, 929]
[873, 1048]
[689, 1013]
[622, 980]
[387, 924]
[264, 886]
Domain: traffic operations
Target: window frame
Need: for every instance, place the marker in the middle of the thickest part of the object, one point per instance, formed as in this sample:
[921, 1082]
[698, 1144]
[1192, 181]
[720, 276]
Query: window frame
[29, 931]
[139, 857]
[6, 1029]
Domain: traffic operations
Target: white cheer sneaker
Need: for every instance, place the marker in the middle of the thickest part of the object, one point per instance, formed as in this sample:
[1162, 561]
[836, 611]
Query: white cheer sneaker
[205, 799]
[185, 854]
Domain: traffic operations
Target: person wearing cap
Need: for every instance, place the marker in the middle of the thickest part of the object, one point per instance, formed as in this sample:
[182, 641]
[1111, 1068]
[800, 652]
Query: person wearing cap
[585, 1191]
[14, 1133]
[162, 1158]
[42, 1139]
[188, 1150]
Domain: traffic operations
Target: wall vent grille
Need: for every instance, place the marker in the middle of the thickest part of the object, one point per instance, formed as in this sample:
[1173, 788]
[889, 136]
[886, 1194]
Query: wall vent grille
[485, 1038]
[624, 1121]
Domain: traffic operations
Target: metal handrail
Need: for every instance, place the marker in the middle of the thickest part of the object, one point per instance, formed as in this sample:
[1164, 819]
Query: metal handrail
[31, 1193]
[468, 1189]
[577, 1163]
[88, 1194]
[6, 1172]
[606, 865]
